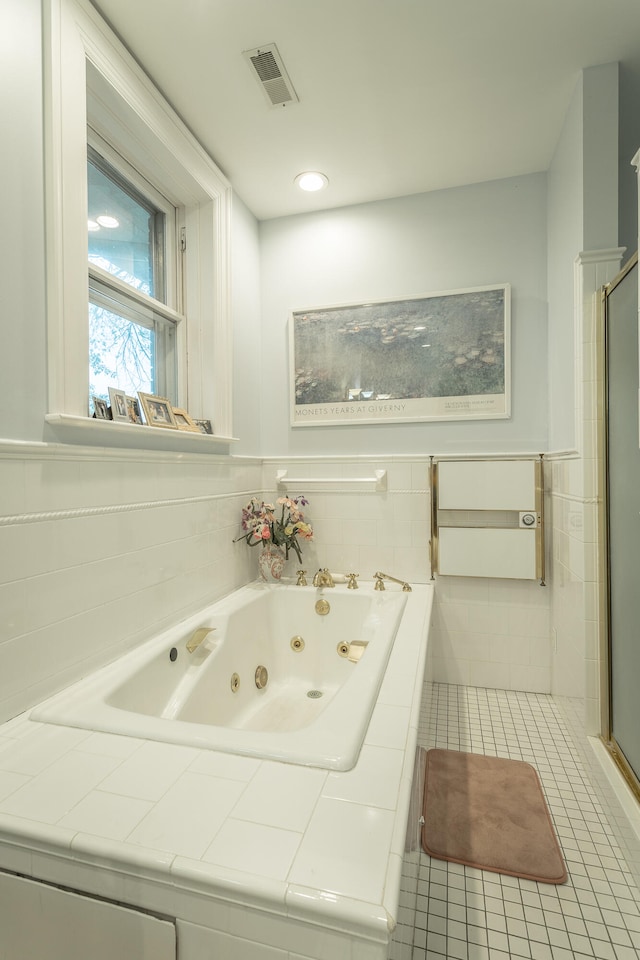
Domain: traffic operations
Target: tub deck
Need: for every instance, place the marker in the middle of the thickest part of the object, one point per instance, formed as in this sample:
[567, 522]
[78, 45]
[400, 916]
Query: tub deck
[202, 835]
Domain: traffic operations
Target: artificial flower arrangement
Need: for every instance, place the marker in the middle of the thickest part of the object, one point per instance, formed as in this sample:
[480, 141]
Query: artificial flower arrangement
[261, 524]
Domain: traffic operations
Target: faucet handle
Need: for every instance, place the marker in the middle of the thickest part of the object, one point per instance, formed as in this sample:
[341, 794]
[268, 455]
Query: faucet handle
[302, 580]
[352, 581]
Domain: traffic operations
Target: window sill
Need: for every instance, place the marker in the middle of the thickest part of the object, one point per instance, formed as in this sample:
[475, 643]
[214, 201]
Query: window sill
[111, 433]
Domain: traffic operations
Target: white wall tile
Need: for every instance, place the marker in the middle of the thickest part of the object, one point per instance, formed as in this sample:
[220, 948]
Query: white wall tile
[55, 791]
[286, 800]
[254, 848]
[488, 674]
[76, 586]
[205, 803]
[106, 815]
[201, 943]
[336, 851]
[150, 771]
[372, 781]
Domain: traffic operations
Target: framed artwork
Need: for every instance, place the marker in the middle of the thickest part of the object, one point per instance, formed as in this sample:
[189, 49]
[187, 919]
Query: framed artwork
[100, 409]
[443, 356]
[118, 400]
[204, 426]
[158, 411]
[133, 410]
[184, 421]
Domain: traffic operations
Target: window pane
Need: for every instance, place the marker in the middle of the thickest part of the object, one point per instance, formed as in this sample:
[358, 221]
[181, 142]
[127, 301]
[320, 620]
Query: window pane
[121, 354]
[131, 346]
[123, 231]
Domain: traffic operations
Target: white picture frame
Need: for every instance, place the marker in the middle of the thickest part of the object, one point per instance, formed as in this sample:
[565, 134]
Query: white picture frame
[442, 356]
[118, 399]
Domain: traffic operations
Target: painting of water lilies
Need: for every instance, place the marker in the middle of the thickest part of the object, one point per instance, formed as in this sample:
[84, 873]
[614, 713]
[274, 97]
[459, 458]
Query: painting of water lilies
[443, 356]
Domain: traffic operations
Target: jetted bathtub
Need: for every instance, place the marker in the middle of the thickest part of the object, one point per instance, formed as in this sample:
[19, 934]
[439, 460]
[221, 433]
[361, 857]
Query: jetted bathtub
[287, 673]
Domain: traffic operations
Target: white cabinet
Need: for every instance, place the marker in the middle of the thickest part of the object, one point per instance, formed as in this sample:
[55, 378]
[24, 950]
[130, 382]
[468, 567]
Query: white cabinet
[38, 921]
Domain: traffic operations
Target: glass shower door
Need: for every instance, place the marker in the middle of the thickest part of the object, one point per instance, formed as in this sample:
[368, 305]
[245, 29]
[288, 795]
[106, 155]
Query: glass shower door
[623, 516]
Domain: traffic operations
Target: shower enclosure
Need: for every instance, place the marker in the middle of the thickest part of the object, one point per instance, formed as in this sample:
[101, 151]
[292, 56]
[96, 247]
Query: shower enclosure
[621, 700]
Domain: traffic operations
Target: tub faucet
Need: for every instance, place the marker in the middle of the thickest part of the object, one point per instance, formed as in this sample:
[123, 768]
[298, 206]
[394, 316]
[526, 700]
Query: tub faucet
[323, 579]
[196, 638]
[381, 577]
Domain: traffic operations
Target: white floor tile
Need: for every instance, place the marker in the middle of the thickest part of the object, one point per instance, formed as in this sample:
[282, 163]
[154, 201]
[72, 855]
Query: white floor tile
[457, 909]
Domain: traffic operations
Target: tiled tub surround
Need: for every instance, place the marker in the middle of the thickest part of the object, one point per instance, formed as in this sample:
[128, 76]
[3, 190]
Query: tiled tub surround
[254, 858]
[101, 549]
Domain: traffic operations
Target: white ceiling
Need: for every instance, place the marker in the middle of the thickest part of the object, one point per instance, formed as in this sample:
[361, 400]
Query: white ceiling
[396, 96]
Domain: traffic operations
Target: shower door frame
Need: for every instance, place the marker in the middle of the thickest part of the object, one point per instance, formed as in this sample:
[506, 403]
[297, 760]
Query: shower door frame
[606, 706]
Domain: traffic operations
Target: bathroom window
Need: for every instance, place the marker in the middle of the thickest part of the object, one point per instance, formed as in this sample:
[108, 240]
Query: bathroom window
[158, 297]
[132, 275]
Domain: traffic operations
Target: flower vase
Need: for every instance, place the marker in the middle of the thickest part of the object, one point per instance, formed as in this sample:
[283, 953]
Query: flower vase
[271, 562]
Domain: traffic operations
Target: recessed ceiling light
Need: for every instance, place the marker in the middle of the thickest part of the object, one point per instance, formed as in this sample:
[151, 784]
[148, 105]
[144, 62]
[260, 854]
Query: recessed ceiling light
[92, 226]
[106, 221]
[312, 181]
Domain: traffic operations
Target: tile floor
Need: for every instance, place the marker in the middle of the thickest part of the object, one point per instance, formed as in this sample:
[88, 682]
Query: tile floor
[448, 910]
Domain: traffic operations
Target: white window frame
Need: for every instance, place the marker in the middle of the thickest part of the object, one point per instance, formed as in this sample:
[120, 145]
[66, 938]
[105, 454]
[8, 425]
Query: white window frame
[90, 79]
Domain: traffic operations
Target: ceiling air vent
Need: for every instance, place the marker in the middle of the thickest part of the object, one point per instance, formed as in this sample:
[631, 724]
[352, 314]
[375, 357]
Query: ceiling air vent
[266, 64]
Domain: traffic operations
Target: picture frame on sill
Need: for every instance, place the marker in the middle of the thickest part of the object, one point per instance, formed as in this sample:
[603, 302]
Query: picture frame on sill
[442, 356]
[184, 421]
[118, 400]
[158, 411]
[204, 426]
[133, 410]
[100, 409]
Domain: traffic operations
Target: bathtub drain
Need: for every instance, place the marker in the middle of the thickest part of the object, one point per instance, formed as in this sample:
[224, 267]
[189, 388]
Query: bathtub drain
[314, 694]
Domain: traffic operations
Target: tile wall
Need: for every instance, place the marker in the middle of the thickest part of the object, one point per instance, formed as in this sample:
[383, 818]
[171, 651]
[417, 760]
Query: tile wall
[99, 549]
[485, 632]
[574, 482]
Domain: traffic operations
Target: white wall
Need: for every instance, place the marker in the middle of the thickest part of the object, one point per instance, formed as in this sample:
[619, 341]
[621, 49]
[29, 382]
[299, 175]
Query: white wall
[247, 329]
[583, 254]
[565, 233]
[628, 143]
[487, 233]
[23, 371]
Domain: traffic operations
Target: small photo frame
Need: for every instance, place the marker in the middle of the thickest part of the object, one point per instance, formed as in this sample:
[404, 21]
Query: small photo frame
[133, 410]
[184, 421]
[158, 411]
[204, 426]
[100, 409]
[118, 400]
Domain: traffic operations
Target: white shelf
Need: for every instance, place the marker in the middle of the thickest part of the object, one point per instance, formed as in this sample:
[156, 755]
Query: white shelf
[352, 484]
[111, 433]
